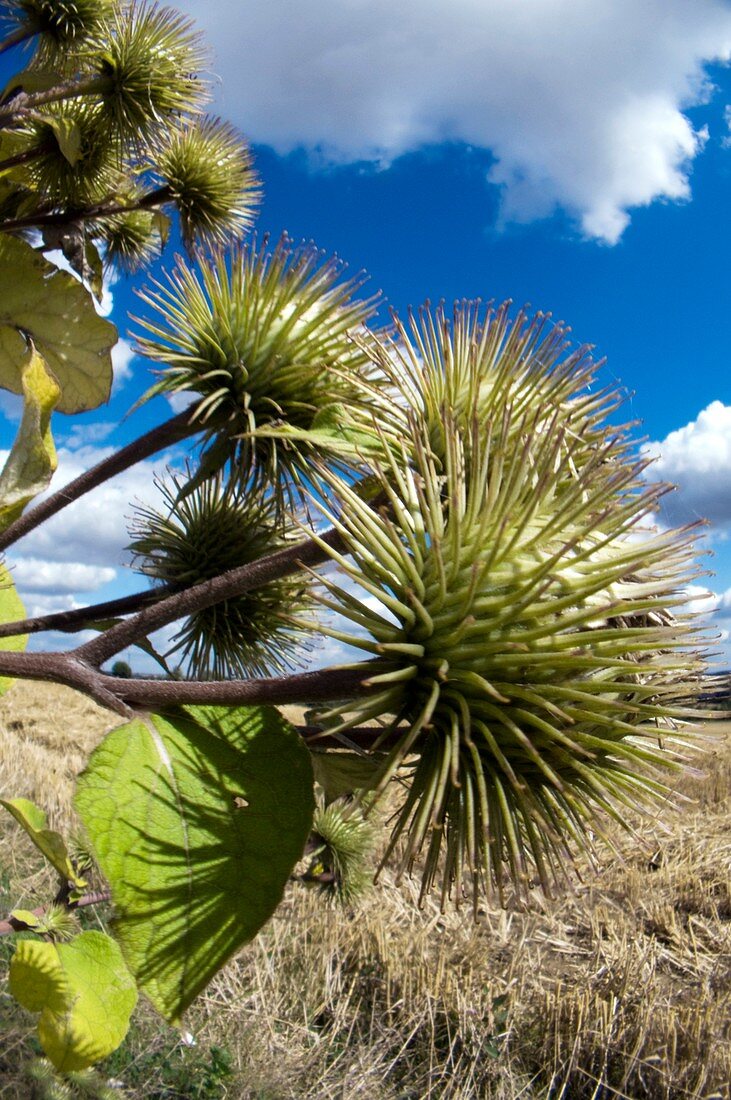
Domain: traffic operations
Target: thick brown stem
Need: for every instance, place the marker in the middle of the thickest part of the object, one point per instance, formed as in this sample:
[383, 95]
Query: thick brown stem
[122, 695]
[24, 103]
[164, 435]
[20, 158]
[309, 552]
[101, 210]
[80, 618]
[324, 685]
[7, 927]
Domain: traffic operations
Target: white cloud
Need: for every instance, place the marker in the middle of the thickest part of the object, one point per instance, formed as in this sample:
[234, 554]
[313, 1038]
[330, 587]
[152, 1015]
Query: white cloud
[122, 358]
[85, 434]
[701, 601]
[696, 458]
[580, 101]
[11, 406]
[181, 400]
[44, 603]
[78, 551]
[36, 575]
[94, 529]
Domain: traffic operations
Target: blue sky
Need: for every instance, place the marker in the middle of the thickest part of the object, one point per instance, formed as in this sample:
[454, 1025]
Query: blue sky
[571, 155]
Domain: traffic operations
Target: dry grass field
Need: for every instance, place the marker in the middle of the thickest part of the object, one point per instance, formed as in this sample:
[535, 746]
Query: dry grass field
[618, 989]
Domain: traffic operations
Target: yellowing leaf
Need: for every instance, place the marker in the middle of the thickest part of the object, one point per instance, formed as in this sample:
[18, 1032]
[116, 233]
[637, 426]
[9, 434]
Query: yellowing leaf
[27, 916]
[11, 609]
[32, 80]
[83, 991]
[68, 135]
[197, 820]
[51, 309]
[31, 818]
[93, 272]
[32, 460]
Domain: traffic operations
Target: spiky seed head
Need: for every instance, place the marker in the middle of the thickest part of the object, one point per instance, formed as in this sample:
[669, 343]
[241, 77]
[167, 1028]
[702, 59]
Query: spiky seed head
[131, 240]
[202, 533]
[475, 360]
[343, 841]
[89, 1083]
[77, 162]
[60, 25]
[58, 922]
[147, 65]
[265, 341]
[46, 1083]
[522, 637]
[208, 169]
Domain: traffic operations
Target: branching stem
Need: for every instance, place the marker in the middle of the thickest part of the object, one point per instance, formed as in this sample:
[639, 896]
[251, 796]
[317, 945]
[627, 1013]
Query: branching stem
[7, 927]
[79, 618]
[226, 586]
[24, 103]
[164, 435]
[106, 209]
[123, 695]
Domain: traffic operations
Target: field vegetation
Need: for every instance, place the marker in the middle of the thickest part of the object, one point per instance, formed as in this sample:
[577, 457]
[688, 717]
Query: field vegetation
[619, 987]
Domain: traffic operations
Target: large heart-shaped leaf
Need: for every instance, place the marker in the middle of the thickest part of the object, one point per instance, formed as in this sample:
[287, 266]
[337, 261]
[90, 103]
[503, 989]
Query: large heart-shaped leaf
[83, 991]
[52, 309]
[32, 460]
[197, 820]
[11, 609]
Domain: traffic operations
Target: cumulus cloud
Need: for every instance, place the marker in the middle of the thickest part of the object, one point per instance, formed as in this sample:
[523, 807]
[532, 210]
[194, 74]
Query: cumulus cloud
[580, 101]
[85, 434]
[36, 575]
[122, 358]
[78, 552]
[94, 529]
[696, 458]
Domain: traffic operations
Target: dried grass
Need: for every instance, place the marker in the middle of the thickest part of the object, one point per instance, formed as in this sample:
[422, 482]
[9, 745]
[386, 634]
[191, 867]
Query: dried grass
[619, 989]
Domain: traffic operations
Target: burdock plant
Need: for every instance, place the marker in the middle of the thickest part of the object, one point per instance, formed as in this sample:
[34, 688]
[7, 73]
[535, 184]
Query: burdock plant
[273, 345]
[218, 526]
[517, 614]
[529, 667]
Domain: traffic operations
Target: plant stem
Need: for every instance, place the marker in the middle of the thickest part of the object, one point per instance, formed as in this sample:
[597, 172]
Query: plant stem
[25, 102]
[308, 552]
[106, 209]
[7, 927]
[322, 686]
[121, 695]
[164, 435]
[80, 617]
[20, 158]
[22, 34]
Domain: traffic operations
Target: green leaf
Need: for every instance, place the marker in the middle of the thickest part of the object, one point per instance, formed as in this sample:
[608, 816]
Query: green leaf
[31, 818]
[68, 135]
[162, 224]
[31, 80]
[340, 773]
[53, 310]
[93, 270]
[11, 609]
[27, 916]
[32, 460]
[197, 820]
[330, 428]
[83, 991]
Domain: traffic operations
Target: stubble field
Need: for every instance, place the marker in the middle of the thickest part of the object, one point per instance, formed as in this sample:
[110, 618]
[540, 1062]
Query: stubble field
[619, 988]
